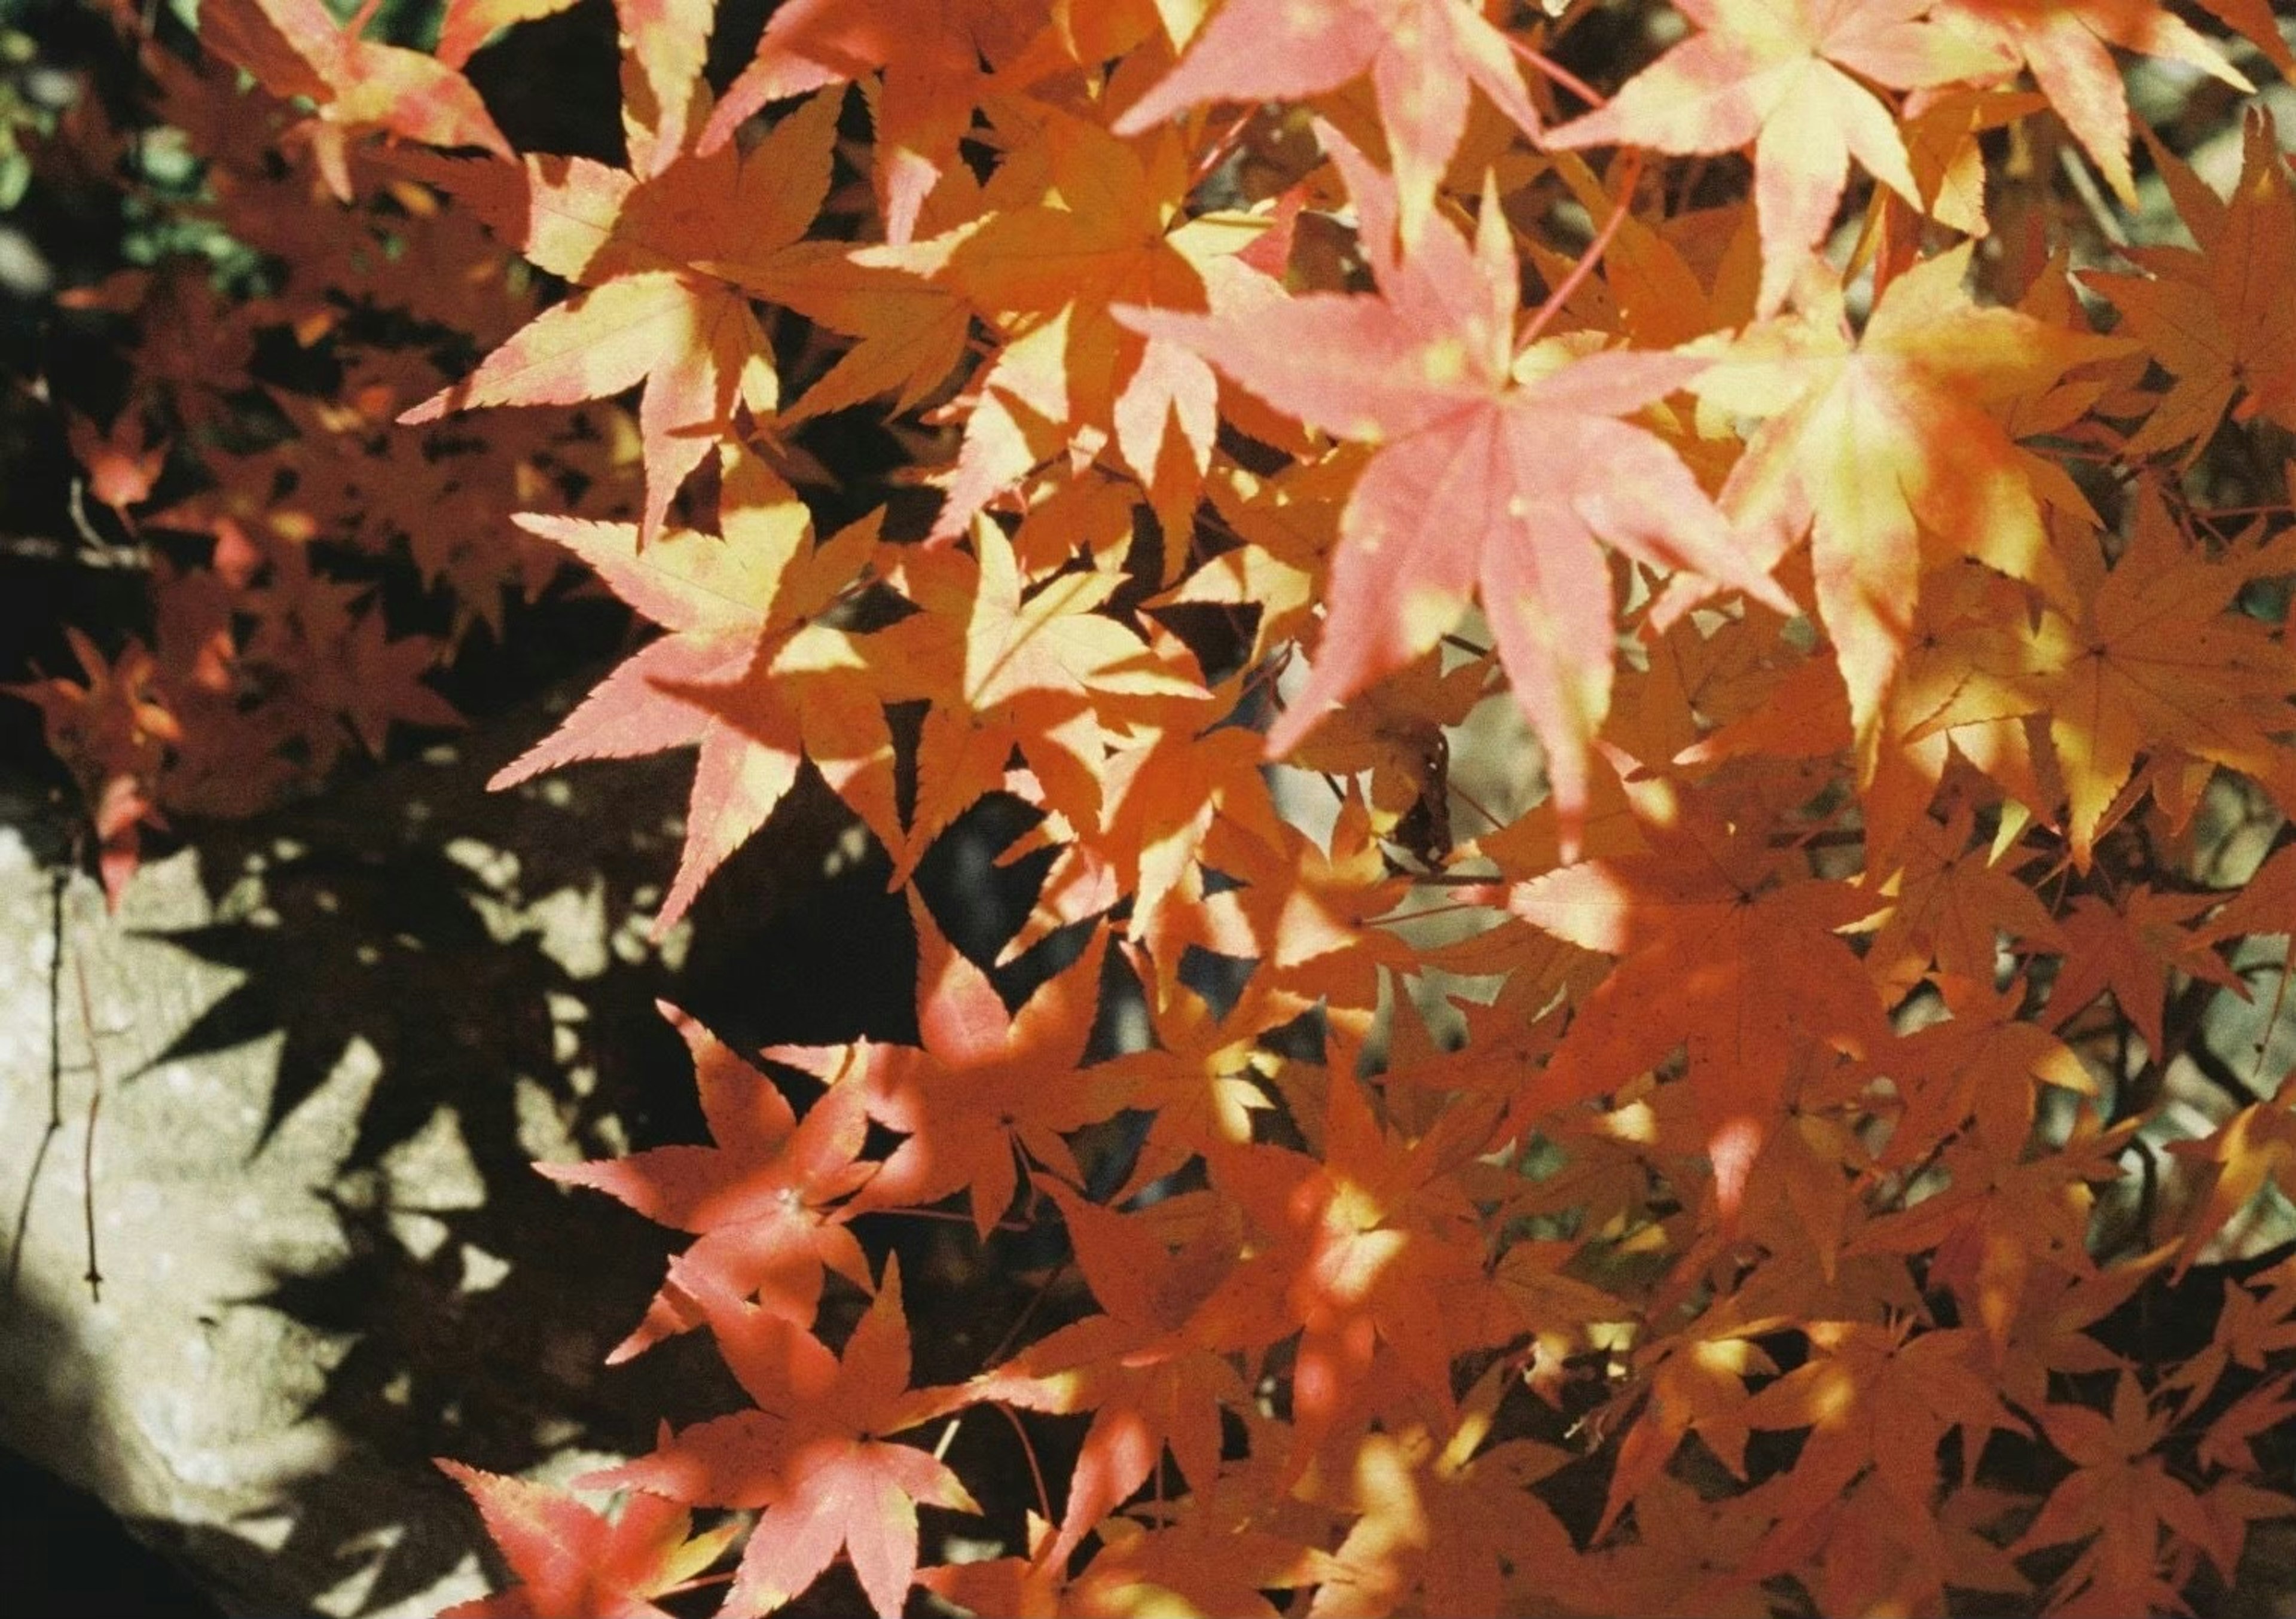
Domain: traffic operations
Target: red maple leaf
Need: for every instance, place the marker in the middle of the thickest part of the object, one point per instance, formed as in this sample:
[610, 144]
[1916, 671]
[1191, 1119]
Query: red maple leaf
[572, 1563]
[813, 1454]
[986, 1083]
[764, 1200]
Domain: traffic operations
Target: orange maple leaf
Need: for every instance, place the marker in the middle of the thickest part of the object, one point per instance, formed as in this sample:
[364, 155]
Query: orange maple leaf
[2130, 946]
[2216, 316]
[1870, 443]
[1372, 1245]
[631, 240]
[1006, 666]
[2160, 660]
[1149, 1380]
[2118, 1499]
[745, 673]
[113, 732]
[1699, 924]
[985, 1083]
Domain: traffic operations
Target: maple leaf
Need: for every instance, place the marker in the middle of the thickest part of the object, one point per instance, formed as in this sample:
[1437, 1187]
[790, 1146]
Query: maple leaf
[296, 48]
[744, 674]
[1486, 476]
[1161, 793]
[2159, 660]
[631, 241]
[985, 1083]
[1868, 444]
[1419, 56]
[1200, 1081]
[1374, 1244]
[1984, 1062]
[763, 1199]
[1696, 923]
[1779, 77]
[2121, 1494]
[1686, 1560]
[813, 1453]
[1302, 913]
[1437, 1523]
[1202, 1563]
[936, 56]
[1877, 1557]
[1954, 901]
[2063, 43]
[2130, 946]
[2214, 317]
[1877, 1396]
[1086, 224]
[910, 333]
[1045, 672]
[572, 1563]
[122, 463]
[1149, 1378]
[381, 681]
[1199, 1564]
[2256, 1145]
[112, 731]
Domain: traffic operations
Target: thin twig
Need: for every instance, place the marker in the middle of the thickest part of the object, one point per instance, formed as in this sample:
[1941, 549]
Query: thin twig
[1029, 1449]
[1630, 176]
[95, 1277]
[2092, 200]
[57, 883]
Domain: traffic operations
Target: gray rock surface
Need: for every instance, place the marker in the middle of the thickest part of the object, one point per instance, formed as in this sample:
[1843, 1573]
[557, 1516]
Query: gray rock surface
[327, 1045]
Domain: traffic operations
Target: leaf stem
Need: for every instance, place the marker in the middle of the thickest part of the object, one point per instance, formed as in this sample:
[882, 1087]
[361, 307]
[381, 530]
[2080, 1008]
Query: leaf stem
[1630, 176]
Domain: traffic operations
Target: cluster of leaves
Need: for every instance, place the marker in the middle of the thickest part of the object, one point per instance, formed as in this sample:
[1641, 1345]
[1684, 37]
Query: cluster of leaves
[1707, 1190]
[294, 297]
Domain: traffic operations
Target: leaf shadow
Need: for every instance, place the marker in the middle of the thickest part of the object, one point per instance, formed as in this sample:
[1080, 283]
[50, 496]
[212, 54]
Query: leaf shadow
[479, 964]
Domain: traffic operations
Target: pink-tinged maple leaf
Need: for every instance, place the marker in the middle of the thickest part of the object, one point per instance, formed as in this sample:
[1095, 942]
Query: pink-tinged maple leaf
[572, 1563]
[2063, 43]
[1420, 56]
[297, 49]
[744, 674]
[1496, 472]
[1779, 76]
[764, 1200]
[813, 1454]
